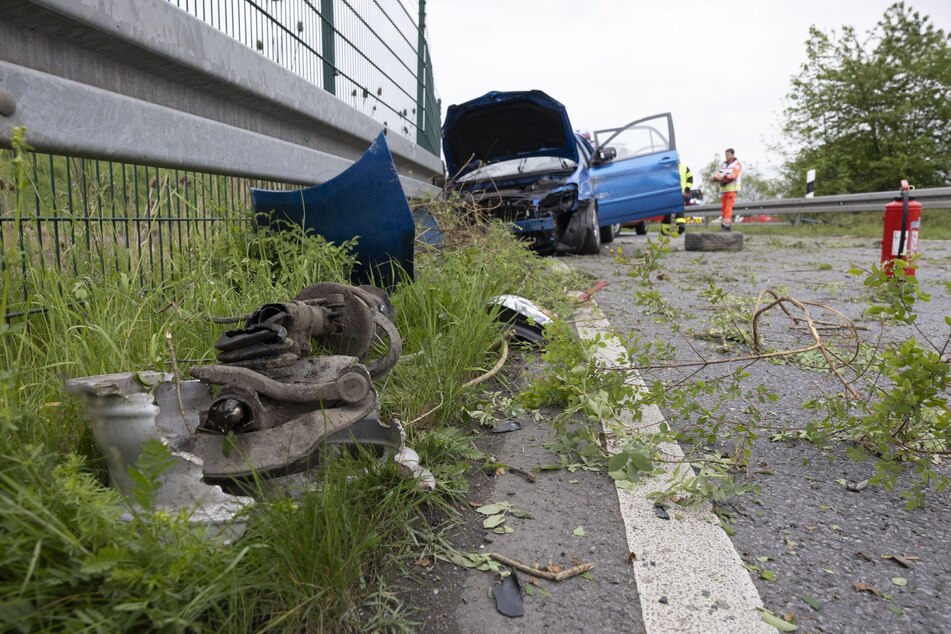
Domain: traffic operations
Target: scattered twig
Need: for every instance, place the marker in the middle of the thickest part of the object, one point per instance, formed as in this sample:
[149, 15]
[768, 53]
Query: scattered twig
[528, 475]
[495, 369]
[424, 415]
[906, 561]
[535, 572]
[178, 379]
[811, 324]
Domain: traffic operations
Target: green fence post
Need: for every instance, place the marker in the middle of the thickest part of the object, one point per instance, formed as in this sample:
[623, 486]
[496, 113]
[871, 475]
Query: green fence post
[427, 126]
[327, 48]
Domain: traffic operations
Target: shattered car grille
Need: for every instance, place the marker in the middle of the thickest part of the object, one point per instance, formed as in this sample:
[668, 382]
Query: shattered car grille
[508, 210]
[513, 207]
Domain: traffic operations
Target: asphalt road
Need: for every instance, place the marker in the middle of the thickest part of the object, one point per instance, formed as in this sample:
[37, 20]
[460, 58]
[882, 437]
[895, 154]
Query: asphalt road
[818, 539]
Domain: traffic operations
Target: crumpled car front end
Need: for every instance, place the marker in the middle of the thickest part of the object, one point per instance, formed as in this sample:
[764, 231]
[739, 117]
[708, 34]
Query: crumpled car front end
[516, 157]
[539, 211]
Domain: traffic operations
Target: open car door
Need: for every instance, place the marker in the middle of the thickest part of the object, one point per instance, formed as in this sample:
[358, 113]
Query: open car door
[634, 173]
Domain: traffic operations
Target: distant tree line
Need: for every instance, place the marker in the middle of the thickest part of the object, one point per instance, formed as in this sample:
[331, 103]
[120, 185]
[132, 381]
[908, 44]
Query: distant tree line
[868, 112]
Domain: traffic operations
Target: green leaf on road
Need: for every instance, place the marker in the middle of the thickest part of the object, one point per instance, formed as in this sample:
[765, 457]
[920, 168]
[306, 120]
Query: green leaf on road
[811, 602]
[775, 621]
[578, 532]
[493, 521]
[769, 575]
[493, 509]
[900, 581]
[462, 560]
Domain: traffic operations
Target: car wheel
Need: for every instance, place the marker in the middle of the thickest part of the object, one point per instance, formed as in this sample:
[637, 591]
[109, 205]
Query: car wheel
[713, 241]
[592, 237]
[608, 233]
[640, 228]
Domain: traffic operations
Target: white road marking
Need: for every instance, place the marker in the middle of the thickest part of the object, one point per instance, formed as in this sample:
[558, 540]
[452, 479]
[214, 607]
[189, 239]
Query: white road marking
[689, 576]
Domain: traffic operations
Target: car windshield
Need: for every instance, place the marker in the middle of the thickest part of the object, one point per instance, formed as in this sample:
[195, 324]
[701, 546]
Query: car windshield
[528, 165]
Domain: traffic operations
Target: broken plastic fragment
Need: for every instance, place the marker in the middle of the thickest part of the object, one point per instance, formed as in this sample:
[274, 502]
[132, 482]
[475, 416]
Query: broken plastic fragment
[507, 425]
[409, 460]
[528, 320]
[508, 596]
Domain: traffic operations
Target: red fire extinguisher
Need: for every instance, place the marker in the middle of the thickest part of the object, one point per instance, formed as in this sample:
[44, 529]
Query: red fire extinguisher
[902, 221]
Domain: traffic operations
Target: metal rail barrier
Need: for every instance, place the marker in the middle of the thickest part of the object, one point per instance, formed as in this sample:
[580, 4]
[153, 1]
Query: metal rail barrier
[150, 120]
[113, 79]
[935, 197]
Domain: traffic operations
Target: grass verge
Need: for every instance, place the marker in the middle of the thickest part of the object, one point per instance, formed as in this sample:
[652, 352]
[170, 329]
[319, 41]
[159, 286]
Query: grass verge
[72, 562]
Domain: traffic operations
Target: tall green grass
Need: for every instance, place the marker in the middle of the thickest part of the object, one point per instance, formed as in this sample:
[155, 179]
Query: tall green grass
[70, 563]
[449, 334]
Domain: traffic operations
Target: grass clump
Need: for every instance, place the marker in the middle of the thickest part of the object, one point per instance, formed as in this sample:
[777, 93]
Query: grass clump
[78, 557]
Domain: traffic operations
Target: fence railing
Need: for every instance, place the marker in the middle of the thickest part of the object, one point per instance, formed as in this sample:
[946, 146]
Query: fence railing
[149, 83]
[150, 120]
[375, 61]
[935, 197]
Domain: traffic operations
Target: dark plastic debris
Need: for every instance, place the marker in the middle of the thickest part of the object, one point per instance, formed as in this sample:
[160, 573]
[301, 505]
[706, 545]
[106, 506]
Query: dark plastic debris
[527, 319]
[661, 512]
[428, 230]
[508, 596]
[507, 425]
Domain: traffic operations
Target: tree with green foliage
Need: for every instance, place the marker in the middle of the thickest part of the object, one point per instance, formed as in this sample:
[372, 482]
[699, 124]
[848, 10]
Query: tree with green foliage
[866, 113]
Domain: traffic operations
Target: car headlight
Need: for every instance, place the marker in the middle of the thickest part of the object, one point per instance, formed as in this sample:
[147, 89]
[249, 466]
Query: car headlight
[563, 200]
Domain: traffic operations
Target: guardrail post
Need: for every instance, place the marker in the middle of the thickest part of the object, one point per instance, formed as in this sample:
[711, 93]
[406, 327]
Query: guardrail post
[327, 47]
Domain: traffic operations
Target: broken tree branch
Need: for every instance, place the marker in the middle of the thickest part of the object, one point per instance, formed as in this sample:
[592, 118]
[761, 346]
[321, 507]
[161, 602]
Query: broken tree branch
[544, 574]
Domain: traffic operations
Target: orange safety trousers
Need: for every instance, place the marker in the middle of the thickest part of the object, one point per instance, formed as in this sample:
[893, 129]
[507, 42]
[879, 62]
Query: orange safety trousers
[726, 207]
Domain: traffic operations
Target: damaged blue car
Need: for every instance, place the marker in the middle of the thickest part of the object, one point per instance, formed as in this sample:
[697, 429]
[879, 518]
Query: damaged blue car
[516, 156]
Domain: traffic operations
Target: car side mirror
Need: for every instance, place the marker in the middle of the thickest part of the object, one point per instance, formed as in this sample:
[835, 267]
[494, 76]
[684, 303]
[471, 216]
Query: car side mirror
[604, 154]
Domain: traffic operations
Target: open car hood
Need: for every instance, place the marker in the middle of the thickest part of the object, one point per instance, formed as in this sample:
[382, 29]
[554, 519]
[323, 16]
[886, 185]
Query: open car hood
[502, 126]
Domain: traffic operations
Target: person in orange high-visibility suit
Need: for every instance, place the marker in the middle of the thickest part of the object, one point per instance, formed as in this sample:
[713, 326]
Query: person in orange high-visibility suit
[728, 178]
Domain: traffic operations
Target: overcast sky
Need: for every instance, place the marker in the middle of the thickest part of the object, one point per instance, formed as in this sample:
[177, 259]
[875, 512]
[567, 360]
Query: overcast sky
[721, 68]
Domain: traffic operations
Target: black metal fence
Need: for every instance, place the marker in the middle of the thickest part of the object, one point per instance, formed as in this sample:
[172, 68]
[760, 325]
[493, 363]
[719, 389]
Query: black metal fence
[80, 216]
[372, 54]
[84, 217]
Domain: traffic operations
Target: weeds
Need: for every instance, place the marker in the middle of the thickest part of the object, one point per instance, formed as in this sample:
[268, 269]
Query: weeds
[77, 557]
[448, 331]
[892, 410]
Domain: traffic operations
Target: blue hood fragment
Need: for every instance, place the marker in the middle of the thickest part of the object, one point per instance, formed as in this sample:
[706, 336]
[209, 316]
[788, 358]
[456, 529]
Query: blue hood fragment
[366, 202]
[503, 126]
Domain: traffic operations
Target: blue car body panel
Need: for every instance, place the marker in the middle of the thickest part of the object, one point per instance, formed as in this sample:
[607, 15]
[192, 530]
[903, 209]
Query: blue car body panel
[637, 188]
[643, 183]
[365, 202]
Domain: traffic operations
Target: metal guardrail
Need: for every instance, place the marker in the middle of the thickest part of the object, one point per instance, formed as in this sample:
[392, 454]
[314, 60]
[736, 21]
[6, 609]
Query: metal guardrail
[150, 119]
[936, 197]
[146, 82]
